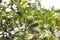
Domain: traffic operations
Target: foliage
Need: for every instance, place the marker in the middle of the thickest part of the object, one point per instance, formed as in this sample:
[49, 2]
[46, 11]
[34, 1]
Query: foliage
[28, 21]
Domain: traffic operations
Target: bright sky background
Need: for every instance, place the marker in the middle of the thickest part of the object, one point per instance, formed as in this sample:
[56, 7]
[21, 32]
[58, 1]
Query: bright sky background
[48, 3]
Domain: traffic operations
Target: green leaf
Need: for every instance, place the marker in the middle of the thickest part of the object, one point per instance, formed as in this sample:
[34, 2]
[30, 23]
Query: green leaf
[29, 36]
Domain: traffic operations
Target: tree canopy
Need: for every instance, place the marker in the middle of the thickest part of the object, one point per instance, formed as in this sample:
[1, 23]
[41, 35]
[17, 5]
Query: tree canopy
[26, 20]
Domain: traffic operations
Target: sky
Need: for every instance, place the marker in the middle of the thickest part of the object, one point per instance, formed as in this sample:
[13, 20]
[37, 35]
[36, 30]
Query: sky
[47, 3]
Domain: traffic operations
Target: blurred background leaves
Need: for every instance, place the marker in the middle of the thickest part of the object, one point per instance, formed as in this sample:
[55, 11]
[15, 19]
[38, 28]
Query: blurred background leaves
[28, 21]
